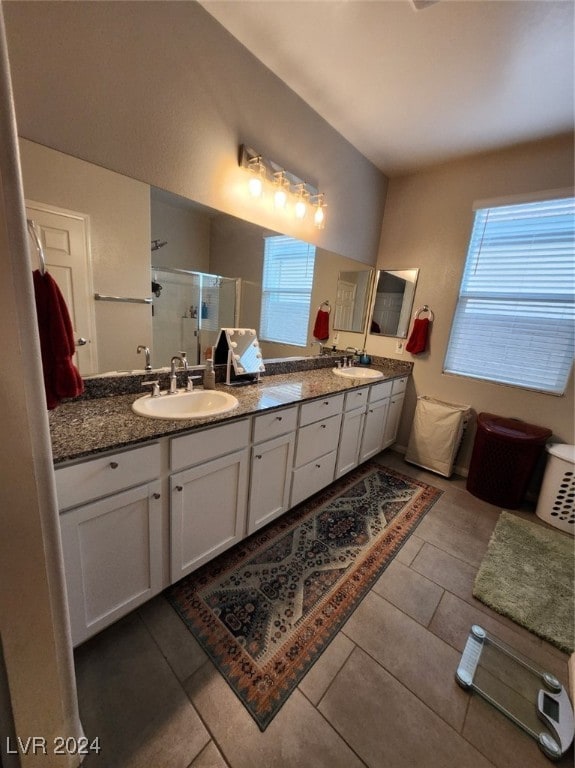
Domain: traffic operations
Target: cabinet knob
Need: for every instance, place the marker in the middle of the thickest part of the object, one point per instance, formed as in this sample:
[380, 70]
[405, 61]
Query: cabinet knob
[258, 455]
[155, 495]
[323, 426]
[279, 418]
[179, 488]
[318, 466]
[114, 464]
[326, 402]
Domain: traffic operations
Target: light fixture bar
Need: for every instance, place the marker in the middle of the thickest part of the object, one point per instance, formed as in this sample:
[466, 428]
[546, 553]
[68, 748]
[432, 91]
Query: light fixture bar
[281, 181]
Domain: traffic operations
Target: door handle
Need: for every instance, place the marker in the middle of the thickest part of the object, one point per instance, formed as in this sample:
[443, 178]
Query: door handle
[82, 341]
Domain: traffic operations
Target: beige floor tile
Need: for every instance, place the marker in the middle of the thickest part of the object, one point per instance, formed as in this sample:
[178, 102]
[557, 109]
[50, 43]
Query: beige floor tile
[131, 700]
[502, 742]
[409, 550]
[412, 654]
[454, 618]
[438, 530]
[298, 736]
[209, 757]
[447, 571]
[320, 676]
[388, 726]
[409, 591]
[174, 639]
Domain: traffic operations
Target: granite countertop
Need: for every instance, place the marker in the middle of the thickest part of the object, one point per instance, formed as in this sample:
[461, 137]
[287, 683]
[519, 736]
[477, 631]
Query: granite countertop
[83, 428]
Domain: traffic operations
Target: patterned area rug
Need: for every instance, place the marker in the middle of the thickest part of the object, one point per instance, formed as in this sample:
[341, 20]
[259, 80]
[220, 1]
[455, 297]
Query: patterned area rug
[265, 610]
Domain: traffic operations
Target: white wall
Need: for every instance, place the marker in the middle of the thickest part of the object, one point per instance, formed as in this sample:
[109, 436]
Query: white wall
[427, 224]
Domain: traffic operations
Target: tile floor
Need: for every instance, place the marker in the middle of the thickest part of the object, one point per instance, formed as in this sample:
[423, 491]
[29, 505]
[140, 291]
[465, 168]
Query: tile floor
[382, 695]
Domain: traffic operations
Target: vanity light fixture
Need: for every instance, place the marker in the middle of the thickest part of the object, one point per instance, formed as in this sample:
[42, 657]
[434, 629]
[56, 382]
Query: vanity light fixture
[286, 189]
[257, 176]
[300, 207]
[281, 189]
[319, 214]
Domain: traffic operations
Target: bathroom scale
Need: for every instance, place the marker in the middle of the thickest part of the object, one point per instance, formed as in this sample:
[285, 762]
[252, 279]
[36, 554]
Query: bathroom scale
[532, 698]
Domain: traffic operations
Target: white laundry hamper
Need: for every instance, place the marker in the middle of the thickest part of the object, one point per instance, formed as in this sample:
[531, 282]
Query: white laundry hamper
[556, 503]
[436, 434]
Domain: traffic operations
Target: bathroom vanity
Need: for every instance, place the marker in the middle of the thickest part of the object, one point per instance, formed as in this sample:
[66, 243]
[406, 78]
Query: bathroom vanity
[144, 502]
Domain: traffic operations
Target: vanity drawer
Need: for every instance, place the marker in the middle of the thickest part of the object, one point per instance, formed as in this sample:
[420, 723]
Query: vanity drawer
[317, 439]
[312, 477]
[274, 424]
[399, 385]
[95, 478]
[356, 398]
[320, 409]
[208, 444]
[380, 391]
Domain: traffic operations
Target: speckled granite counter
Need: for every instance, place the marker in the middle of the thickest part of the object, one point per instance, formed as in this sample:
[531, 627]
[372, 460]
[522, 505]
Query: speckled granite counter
[85, 427]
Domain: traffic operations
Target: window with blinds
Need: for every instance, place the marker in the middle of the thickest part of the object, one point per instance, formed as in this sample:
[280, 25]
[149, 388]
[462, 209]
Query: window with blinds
[514, 321]
[286, 290]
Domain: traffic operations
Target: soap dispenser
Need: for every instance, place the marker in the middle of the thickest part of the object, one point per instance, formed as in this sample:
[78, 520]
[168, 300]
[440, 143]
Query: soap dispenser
[209, 373]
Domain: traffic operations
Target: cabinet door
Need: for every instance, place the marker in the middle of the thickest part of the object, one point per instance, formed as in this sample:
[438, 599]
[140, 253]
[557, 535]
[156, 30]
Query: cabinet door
[350, 441]
[112, 557]
[393, 417]
[270, 477]
[373, 430]
[208, 511]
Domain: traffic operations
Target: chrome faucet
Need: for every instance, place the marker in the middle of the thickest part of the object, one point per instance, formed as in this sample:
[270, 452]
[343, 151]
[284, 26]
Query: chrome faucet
[350, 360]
[173, 379]
[142, 348]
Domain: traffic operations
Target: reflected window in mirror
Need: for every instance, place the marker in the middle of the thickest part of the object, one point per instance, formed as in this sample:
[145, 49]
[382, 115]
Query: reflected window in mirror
[286, 290]
[352, 300]
[393, 302]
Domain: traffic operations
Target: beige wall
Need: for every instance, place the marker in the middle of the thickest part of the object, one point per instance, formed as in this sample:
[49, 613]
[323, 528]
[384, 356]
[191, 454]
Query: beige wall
[159, 91]
[187, 233]
[119, 211]
[427, 223]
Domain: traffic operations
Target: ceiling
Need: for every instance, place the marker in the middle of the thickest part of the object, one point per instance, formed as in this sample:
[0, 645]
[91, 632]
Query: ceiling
[412, 87]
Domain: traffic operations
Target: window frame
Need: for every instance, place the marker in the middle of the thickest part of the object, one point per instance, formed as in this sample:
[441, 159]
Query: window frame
[296, 295]
[520, 308]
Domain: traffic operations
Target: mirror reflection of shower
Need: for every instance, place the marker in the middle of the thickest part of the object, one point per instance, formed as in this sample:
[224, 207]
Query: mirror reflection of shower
[189, 312]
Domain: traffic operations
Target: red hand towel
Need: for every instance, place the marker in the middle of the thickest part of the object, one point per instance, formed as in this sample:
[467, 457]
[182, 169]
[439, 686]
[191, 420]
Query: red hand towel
[321, 327]
[61, 377]
[418, 340]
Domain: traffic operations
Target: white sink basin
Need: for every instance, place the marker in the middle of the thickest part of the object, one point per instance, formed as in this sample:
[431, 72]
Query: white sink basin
[357, 373]
[185, 405]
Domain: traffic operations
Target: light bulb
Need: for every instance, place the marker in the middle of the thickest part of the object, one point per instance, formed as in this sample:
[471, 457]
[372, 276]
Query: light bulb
[257, 176]
[280, 198]
[300, 209]
[319, 217]
[281, 190]
[255, 186]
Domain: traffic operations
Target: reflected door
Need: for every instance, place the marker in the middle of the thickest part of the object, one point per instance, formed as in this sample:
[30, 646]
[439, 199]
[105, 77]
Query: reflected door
[64, 238]
[344, 304]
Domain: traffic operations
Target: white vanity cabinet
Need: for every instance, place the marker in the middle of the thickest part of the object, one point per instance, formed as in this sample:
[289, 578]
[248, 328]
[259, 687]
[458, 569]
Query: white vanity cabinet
[351, 430]
[316, 449]
[394, 411]
[375, 420]
[209, 497]
[111, 537]
[271, 466]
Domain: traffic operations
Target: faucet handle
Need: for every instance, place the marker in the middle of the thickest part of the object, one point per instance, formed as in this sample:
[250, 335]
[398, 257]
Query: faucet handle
[155, 387]
[190, 383]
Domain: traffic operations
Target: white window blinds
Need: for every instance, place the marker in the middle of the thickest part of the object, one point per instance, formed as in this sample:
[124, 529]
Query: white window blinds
[514, 321]
[286, 290]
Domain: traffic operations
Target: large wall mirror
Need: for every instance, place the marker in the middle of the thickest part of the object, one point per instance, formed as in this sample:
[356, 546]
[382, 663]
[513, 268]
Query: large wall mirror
[393, 302]
[208, 265]
[351, 300]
